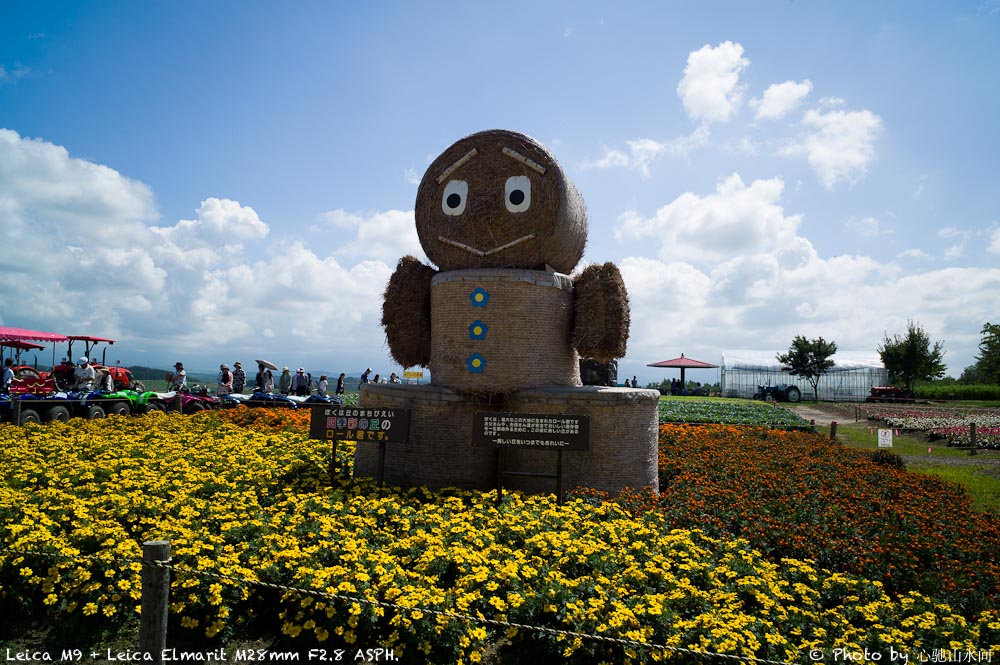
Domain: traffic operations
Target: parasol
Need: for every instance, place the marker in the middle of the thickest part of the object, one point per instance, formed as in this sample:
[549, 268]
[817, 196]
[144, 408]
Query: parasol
[683, 363]
[268, 364]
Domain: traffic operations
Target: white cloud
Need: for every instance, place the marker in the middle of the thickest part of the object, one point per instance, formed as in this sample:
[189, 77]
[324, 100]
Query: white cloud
[642, 152]
[780, 99]
[385, 236]
[994, 246]
[11, 75]
[737, 219]
[84, 256]
[840, 144]
[915, 254]
[710, 89]
[866, 227]
[960, 236]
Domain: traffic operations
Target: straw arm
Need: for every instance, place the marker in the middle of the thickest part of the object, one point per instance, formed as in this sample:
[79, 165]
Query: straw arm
[406, 313]
[601, 313]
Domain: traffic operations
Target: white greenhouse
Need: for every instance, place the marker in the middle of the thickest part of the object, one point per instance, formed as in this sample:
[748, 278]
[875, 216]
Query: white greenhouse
[850, 379]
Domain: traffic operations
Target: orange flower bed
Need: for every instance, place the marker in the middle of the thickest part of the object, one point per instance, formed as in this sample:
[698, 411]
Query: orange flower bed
[797, 495]
[277, 419]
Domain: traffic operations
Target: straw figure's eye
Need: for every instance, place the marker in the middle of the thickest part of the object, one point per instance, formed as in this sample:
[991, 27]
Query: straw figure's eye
[456, 192]
[517, 193]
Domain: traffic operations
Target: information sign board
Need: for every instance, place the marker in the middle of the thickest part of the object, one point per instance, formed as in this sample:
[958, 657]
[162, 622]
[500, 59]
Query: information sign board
[531, 430]
[360, 424]
[885, 438]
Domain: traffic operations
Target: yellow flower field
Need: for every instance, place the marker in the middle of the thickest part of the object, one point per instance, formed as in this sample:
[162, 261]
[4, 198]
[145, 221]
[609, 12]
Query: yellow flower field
[258, 504]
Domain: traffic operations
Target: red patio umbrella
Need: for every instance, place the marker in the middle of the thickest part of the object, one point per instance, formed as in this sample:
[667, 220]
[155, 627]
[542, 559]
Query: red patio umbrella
[683, 363]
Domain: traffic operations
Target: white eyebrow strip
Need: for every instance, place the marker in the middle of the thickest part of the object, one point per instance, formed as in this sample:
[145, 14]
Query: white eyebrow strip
[524, 160]
[451, 169]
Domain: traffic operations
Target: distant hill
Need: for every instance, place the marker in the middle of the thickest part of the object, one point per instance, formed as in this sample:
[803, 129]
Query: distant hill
[146, 373]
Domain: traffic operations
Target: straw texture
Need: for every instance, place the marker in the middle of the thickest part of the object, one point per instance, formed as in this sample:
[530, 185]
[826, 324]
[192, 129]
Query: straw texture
[406, 313]
[516, 336]
[601, 325]
[540, 220]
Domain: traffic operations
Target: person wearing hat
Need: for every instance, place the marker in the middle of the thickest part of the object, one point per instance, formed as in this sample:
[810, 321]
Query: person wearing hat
[239, 377]
[225, 382]
[364, 378]
[285, 381]
[300, 383]
[84, 375]
[179, 379]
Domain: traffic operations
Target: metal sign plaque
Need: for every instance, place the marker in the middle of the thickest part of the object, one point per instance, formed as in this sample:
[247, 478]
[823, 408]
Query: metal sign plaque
[531, 430]
[360, 424]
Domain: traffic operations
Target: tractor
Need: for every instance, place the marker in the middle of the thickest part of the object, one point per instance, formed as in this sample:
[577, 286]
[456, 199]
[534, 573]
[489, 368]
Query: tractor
[779, 393]
[890, 394]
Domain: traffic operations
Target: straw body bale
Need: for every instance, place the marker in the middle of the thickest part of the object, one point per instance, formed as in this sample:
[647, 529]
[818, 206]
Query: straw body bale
[601, 324]
[496, 330]
[406, 312]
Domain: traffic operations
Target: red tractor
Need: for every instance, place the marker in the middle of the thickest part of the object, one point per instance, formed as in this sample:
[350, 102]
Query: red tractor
[890, 394]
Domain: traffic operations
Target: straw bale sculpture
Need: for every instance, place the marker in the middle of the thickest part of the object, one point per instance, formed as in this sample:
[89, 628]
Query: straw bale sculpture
[504, 226]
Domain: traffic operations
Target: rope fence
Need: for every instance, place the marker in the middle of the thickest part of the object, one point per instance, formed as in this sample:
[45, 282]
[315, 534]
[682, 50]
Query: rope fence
[158, 565]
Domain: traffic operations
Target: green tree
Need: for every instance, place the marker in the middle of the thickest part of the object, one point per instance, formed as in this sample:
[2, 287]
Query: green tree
[911, 358]
[988, 362]
[810, 359]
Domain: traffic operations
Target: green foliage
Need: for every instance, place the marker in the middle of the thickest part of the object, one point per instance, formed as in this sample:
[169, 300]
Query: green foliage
[809, 359]
[887, 458]
[960, 391]
[988, 363]
[911, 358]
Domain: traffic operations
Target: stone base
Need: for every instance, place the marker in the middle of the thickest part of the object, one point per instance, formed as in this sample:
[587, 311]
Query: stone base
[440, 452]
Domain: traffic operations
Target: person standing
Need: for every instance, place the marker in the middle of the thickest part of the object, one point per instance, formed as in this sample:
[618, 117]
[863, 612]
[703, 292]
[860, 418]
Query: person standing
[300, 383]
[239, 377]
[285, 381]
[225, 381]
[323, 385]
[179, 379]
[264, 380]
[8, 374]
[340, 384]
[364, 377]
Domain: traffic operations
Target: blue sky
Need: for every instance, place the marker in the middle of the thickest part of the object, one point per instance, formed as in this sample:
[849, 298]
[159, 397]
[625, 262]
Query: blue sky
[222, 181]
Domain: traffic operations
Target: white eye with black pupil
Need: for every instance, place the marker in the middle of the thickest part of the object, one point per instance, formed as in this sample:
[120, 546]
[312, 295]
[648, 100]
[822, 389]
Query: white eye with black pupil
[456, 193]
[517, 193]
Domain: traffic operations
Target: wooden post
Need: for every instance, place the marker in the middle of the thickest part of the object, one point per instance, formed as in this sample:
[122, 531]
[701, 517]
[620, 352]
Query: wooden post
[500, 461]
[15, 414]
[833, 430]
[559, 478]
[381, 462]
[333, 462]
[155, 599]
[812, 426]
[974, 447]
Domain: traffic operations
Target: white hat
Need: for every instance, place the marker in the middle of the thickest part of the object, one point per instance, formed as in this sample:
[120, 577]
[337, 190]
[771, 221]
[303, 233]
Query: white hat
[83, 360]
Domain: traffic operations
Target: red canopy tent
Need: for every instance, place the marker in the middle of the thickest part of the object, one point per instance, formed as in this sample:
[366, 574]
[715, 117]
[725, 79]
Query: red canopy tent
[683, 363]
[18, 347]
[8, 334]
